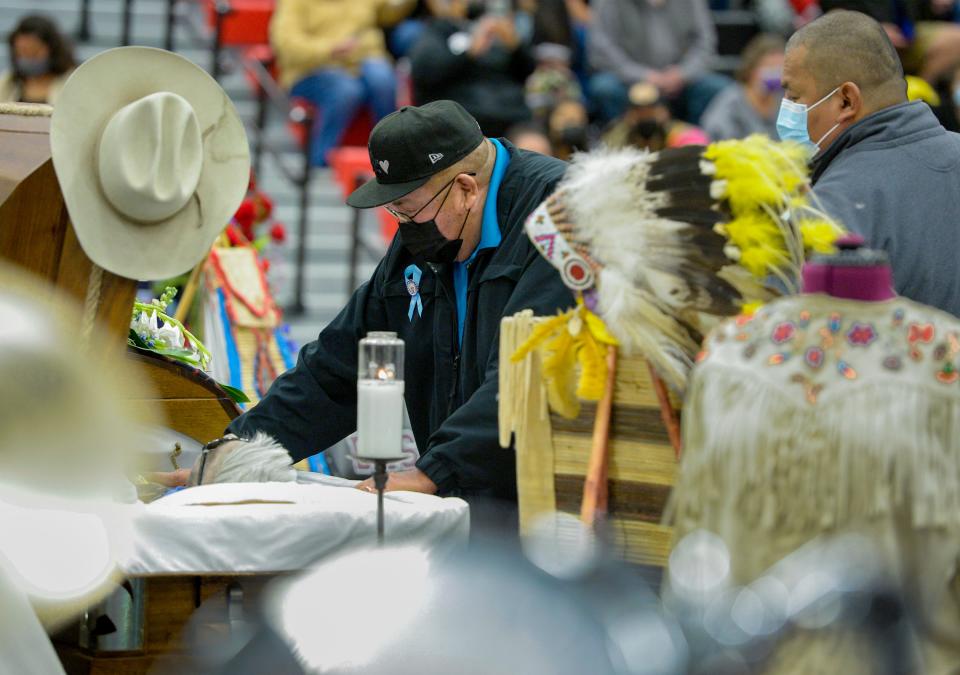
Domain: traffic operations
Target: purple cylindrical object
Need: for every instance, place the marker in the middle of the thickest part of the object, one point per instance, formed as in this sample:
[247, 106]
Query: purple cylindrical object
[854, 272]
[590, 299]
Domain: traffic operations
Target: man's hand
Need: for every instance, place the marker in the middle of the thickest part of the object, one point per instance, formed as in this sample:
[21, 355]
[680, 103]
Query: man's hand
[669, 81]
[413, 480]
[506, 32]
[344, 49]
[484, 34]
[169, 479]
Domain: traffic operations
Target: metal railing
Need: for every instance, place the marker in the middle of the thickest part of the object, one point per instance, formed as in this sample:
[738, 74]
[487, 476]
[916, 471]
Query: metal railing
[270, 95]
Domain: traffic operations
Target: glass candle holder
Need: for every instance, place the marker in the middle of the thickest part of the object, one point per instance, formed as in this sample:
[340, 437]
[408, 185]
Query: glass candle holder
[380, 396]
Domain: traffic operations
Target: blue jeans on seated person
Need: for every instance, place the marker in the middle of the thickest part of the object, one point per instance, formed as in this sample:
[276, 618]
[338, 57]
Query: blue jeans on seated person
[404, 36]
[608, 94]
[339, 95]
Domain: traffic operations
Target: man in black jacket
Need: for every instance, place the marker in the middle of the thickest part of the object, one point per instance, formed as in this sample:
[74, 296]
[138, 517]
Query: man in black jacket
[460, 263]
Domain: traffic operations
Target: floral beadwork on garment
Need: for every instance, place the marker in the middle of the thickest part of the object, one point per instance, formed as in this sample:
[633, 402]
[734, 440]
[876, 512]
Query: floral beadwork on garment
[948, 374]
[814, 357]
[823, 343]
[919, 334]
[833, 324]
[783, 333]
[861, 334]
[778, 358]
[846, 370]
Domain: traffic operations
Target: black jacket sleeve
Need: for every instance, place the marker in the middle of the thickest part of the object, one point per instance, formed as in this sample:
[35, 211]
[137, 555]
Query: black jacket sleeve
[465, 452]
[314, 405]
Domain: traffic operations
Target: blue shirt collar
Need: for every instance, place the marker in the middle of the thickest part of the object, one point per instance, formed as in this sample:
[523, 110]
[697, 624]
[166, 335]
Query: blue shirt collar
[490, 235]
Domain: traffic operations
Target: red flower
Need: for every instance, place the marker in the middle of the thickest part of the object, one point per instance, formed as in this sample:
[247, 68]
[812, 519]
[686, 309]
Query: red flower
[264, 206]
[920, 333]
[244, 218]
[235, 236]
[861, 334]
[278, 233]
[783, 332]
[265, 264]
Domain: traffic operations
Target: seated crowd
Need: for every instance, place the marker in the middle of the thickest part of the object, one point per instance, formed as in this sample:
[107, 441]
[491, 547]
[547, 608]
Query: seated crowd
[565, 75]
[555, 76]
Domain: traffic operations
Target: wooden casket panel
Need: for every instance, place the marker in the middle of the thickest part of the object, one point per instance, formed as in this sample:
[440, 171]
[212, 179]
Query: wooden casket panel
[193, 403]
[170, 603]
[36, 233]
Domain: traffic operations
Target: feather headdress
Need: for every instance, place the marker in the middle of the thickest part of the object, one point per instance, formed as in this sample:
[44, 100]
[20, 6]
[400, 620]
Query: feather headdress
[661, 245]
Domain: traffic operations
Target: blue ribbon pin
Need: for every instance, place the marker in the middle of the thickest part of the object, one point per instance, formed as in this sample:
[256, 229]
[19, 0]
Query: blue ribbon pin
[411, 276]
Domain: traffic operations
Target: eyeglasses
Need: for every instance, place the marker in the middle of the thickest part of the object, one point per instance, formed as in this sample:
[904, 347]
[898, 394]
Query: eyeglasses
[404, 218]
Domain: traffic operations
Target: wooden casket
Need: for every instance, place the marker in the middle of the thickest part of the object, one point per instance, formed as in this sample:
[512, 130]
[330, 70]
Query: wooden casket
[553, 452]
[36, 235]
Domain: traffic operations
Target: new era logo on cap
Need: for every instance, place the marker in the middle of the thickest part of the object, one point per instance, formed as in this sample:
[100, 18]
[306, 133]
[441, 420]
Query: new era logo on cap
[435, 157]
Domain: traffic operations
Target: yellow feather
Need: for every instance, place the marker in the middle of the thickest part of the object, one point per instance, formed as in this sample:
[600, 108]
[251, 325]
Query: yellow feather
[541, 333]
[593, 373]
[820, 236]
[559, 367]
[598, 329]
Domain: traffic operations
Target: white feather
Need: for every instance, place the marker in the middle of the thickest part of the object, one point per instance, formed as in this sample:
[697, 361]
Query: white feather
[259, 460]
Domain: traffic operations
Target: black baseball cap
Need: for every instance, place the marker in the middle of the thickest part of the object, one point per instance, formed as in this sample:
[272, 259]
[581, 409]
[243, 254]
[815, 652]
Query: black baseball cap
[410, 145]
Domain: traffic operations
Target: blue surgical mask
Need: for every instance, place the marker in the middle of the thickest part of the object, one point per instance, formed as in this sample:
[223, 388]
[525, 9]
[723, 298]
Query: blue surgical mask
[792, 122]
[27, 67]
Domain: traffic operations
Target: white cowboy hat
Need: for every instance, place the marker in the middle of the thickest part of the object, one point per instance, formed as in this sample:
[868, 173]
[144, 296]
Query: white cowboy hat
[152, 159]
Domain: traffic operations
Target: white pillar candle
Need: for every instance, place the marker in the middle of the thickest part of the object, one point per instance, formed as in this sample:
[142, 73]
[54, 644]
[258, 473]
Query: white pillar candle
[380, 418]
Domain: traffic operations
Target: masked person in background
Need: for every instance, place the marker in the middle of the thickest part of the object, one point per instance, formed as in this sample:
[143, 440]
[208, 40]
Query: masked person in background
[41, 60]
[567, 129]
[883, 166]
[648, 125]
[750, 106]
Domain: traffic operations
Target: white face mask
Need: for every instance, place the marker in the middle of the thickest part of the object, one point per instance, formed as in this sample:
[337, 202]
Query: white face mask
[792, 122]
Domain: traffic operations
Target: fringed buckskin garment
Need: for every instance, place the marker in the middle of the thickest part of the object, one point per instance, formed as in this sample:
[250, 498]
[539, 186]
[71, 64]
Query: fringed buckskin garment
[818, 416]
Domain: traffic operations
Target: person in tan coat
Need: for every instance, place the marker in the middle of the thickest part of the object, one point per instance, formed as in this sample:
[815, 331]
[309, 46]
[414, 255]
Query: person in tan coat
[333, 54]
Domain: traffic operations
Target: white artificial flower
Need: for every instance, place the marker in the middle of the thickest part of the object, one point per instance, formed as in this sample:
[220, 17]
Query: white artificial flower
[146, 326]
[170, 336]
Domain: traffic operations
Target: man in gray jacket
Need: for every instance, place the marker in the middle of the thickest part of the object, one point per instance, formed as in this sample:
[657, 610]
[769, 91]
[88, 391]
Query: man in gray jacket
[884, 167]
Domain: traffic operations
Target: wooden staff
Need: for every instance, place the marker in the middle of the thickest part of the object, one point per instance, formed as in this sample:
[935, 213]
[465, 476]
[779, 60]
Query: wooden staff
[595, 489]
[667, 412]
[189, 290]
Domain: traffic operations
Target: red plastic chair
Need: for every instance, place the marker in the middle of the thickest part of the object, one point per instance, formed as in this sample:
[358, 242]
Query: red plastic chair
[246, 22]
[351, 168]
[355, 135]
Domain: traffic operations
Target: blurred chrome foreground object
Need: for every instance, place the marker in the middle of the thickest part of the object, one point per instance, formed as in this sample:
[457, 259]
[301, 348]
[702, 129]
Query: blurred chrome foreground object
[829, 584]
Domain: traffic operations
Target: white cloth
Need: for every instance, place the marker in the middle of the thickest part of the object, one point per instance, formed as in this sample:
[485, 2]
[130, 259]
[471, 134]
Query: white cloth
[24, 646]
[278, 527]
